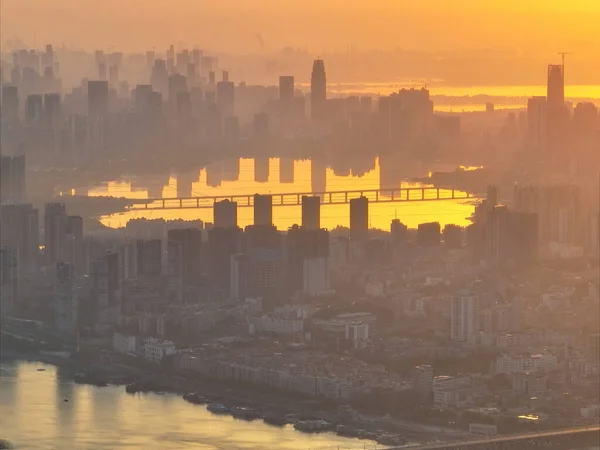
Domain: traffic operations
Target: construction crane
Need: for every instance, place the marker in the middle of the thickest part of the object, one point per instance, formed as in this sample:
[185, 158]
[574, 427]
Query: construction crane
[563, 54]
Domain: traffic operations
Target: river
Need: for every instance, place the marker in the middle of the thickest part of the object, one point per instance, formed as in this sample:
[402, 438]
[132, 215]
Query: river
[34, 415]
[248, 176]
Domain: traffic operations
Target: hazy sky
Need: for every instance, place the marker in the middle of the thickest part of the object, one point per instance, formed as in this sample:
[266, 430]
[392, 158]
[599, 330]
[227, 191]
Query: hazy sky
[320, 25]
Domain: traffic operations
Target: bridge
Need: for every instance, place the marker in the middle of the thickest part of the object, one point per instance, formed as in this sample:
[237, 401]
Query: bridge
[295, 198]
[568, 439]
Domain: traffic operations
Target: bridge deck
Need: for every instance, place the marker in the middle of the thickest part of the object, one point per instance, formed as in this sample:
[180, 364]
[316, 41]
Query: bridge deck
[327, 198]
[518, 441]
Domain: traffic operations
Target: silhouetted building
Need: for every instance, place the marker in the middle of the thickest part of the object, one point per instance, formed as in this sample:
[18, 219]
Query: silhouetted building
[10, 103]
[453, 235]
[55, 223]
[222, 244]
[311, 212]
[12, 179]
[318, 91]
[286, 89]
[226, 98]
[263, 209]
[261, 125]
[9, 280]
[19, 229]
[225, 214]
[106, 293]
[97, 98]
[359, 218]
[65, 299]
[149, 258]
[399, 233]
[536, 123]
[303, 245]
[428, 234]
[557, 113]
[190, 240]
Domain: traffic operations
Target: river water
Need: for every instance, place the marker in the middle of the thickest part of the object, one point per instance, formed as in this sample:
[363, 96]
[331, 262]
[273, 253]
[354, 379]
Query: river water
[33, 415]
[248, 176]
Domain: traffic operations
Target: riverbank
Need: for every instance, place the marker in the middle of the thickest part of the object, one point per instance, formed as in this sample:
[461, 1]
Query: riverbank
[279, 404]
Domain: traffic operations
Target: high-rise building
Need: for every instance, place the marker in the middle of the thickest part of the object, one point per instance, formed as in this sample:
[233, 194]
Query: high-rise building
[190, 240]
[557, 113]
[226, 98]
[149, 258]
[536, 123]
[97, 98]
[428, 234]
[34, 109]
[261, 125]
[65, 300]
[318, 91]
[9, 103]
[174, 271]
[263, 209]
[464, 316]
[556, 86]
[20, 229]
[453, 236]
[399, 233]
[106, 293]
[302, 244]
[316, 276]
[359, 218]
[239, 276]
[225, 214]
[55, 224]
[222, 244]
[177, 85]
[9, 280]
[311, 212]
[12, 179]
[52, 109]
[286, 90]
[423, 379]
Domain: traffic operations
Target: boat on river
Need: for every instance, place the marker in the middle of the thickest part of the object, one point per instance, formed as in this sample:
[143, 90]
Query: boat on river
[217, 408]
[313, 426]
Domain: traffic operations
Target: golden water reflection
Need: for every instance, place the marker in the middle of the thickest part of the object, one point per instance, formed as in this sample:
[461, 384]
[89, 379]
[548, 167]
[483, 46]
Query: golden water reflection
[278, 176]
[33, 416]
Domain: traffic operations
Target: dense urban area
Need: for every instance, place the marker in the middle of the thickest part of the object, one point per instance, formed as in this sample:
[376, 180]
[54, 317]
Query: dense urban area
[441, 332]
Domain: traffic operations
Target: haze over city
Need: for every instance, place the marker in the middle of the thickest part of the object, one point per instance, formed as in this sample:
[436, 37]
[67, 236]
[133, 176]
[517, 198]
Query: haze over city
[300, 224]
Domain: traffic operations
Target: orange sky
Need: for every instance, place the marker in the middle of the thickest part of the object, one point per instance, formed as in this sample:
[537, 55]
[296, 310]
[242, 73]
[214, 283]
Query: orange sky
[320, 25]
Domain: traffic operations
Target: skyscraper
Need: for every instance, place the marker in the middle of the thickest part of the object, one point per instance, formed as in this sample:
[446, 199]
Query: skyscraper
[97, 98]
[311, 212]
[225, 214]
[55, 223]
[9, 280]
[226, 98]
[263, 210]
[536, 123]
[463, 316]
[318, 91]
[286, 89]
[106, 291]
[12, 179]
[557, 113]
[190, 240]
[359, 217]
[65, 299]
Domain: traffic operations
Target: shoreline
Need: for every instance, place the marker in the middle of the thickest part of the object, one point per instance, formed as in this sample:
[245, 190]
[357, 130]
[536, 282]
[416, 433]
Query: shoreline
[232, 395]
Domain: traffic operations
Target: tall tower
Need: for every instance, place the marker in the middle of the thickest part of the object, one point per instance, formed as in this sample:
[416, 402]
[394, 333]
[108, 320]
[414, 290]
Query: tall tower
[557, 113]
[318, 90]
[556, 85]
